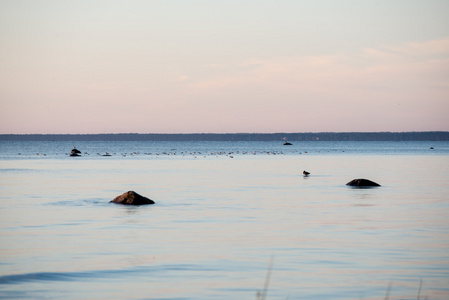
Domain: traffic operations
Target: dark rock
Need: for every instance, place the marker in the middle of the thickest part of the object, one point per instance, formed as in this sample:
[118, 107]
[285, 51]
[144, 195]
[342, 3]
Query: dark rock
[362, 183]
[132, 198]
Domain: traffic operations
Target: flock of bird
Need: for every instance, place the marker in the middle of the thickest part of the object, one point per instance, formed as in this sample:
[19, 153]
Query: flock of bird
[76, 152]
[195, 154]
[173, 152]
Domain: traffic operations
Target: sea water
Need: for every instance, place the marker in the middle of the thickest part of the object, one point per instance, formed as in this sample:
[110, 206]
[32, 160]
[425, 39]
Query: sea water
[232, 220]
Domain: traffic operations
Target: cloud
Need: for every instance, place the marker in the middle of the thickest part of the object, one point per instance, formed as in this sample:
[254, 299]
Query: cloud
[398, 68]
[386, 88]
[383, 62]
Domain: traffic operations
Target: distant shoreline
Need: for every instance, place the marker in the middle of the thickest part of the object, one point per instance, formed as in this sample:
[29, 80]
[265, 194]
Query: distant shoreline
[291, 137]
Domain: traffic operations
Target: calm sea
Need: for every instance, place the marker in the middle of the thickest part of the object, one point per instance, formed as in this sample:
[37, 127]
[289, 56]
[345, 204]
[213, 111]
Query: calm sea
[232, 220]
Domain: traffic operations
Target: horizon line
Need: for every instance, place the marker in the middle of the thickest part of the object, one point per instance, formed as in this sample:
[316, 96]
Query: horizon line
[218, 133]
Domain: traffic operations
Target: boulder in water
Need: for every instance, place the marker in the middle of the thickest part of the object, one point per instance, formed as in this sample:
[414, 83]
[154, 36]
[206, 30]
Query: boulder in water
[132, 198]
[362, 183]
[74, 150]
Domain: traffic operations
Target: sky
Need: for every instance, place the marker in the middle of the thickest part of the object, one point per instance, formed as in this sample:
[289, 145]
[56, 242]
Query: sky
[213, 66]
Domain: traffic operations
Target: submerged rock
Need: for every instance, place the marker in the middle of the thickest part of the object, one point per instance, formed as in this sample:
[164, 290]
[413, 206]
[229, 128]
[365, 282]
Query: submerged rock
[362, 183]
[132, 198]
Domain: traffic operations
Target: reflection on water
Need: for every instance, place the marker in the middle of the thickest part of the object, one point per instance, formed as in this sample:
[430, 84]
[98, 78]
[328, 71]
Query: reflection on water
[216, 223]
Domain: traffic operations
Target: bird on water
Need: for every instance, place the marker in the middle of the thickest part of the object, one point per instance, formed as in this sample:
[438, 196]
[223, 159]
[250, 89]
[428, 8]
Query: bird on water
[305, 173]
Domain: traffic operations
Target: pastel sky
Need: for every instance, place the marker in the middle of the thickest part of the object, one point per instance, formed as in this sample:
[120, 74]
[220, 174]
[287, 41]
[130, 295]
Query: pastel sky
[178, 66]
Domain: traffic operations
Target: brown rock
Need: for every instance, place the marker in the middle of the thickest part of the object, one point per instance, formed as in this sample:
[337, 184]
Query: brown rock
[132, 198]
[362, 183]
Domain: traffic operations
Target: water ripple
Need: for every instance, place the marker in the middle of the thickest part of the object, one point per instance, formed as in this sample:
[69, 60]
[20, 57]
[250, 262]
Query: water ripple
[96, 274]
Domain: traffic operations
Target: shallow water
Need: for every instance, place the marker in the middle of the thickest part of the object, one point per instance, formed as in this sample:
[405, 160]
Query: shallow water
[219, 221]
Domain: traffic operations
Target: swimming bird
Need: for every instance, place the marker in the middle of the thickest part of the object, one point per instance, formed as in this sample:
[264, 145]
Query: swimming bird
[305, 173]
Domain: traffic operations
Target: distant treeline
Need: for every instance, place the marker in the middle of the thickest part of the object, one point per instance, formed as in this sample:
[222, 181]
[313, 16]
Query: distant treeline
[308, 136]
